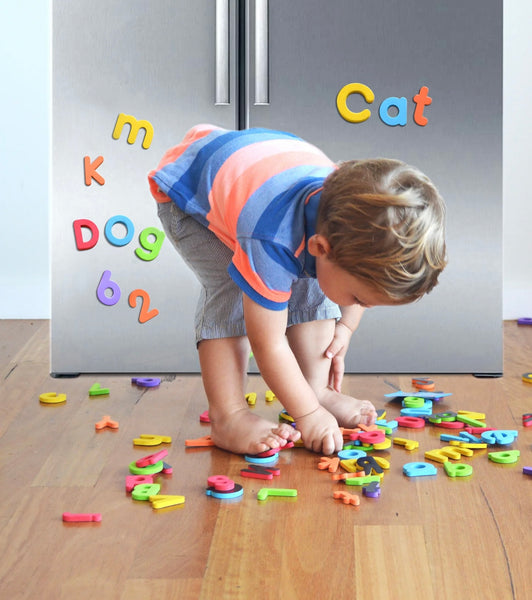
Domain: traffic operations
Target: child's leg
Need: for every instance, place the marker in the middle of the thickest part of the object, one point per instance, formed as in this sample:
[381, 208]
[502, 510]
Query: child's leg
[309, 342]
[222, 345]
[234, 427]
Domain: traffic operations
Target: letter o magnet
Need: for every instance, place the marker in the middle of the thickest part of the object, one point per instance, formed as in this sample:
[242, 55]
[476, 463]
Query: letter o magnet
[130, 230]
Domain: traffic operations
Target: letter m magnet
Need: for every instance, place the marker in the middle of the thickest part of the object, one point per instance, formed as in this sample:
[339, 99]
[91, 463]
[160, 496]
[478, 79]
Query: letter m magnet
[135, 125]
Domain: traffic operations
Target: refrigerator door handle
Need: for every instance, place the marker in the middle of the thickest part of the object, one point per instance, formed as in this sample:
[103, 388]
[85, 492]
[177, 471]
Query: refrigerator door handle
[222, 53]
[262, 92]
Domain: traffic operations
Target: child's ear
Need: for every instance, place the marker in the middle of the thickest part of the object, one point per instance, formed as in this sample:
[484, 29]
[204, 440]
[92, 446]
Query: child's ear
[318, 245]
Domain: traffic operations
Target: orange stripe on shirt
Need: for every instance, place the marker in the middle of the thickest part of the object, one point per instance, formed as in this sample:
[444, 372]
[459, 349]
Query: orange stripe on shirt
[191, 136]
[258, 162]
[241, 262]
[313, 194]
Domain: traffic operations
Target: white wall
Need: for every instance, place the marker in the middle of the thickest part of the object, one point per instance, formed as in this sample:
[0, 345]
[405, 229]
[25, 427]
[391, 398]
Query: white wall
[517, 129]
[24, 156]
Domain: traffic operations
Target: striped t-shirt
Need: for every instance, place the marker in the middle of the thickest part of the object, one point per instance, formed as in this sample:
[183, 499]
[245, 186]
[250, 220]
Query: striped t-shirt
[258, 191]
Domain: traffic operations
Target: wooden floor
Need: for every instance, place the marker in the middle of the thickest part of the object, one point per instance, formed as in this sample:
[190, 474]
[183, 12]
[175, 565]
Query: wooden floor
[431, 537]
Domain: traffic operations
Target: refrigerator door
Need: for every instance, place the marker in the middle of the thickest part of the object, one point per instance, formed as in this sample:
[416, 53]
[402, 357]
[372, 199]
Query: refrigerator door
[129, 78]
[302, 53]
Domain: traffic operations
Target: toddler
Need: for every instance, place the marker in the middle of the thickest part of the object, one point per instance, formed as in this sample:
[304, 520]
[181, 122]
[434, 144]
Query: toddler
[290, 249]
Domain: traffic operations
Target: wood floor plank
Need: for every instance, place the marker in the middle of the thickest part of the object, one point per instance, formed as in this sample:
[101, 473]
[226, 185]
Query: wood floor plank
[17, 337]
[456, 508]
[169, 589]
[65, 560]
[286, 546]
[23, 365]
[391, 559]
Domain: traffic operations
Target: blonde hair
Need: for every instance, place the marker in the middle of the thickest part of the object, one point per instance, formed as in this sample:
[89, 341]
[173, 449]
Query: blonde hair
[385, 223]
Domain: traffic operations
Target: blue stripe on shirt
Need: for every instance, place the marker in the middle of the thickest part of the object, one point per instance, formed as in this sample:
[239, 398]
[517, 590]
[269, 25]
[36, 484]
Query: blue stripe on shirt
[249, 291]
[212, 155]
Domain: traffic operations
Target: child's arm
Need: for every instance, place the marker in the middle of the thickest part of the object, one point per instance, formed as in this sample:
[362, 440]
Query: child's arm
[337, 349]
[266, 331]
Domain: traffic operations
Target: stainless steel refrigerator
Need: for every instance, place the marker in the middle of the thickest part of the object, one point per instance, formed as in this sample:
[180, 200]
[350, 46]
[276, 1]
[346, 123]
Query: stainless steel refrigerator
[418, 80]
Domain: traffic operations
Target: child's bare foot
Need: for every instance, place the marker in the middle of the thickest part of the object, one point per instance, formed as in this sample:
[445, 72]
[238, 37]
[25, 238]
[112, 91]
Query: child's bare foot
[243, 432]
[349, 412]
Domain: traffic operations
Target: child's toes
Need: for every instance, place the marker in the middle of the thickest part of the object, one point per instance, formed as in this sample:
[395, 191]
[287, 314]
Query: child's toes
[273, 441]
[263, 446]
[287, 433]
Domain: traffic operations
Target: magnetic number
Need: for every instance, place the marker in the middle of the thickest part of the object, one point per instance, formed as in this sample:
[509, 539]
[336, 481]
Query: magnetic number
[145, 313]
[221, 483]
[106, 284]
[108, 293]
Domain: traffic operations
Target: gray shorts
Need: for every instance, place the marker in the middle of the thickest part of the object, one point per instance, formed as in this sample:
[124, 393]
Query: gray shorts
[219, 312]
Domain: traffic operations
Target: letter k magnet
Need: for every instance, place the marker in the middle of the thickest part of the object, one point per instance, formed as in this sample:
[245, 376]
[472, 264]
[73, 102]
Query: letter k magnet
[90, 169]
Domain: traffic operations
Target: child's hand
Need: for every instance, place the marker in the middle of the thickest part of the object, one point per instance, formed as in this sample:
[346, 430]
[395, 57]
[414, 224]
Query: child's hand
[336, 351]
[320, 432]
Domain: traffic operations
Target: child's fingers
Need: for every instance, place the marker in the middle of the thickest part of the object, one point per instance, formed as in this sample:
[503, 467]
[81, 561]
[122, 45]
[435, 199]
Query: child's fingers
[338, 440]
[331, 443]
[336, 373]
[328, 445]
[333, 349]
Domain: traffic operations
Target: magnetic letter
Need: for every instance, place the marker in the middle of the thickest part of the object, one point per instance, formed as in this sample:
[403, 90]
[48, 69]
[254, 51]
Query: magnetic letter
[147, 439]
[353, 454]
[165, 500]
[90, 170]
[498, 436]
[400, 117]
[78, 234]
[422, 99]
[112, 239]
[133, 480]
[437, 455]
[372, 437]
[369, 465]
[236, 492]
[511, 456]
[419, 469]
[408, 444]
[341, 102]
[457, 470]
[347, 498]
[362, 481]
[152, 248]
[151, 459]
[149, 470]
[82, 517]
[52, 398]
[220, 483]
[146, 381]
[135, 126]
[373, 490]
[411, 422]
[143, 491]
